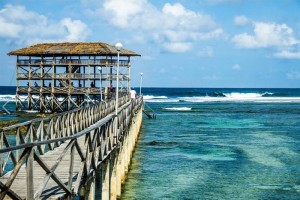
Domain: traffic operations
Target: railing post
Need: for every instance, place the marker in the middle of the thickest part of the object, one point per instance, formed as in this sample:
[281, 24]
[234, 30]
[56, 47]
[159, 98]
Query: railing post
[18, 142]
[71, 169]
[29, 175]
[1, 144]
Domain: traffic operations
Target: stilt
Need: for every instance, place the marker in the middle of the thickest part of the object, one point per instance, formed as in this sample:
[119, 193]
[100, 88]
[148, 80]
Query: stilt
[105, 180]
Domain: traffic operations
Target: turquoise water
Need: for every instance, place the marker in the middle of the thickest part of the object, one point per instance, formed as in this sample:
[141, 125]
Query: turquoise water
[218, 150]
[214, 144]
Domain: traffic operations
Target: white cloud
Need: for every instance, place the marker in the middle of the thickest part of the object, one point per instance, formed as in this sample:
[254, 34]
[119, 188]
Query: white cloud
[293, 75]
[174, 27]
[266, 35]
[75, 29]
[206, 52]
[8, 29]
[24, 27]
[236, 67]
[177, 47]
[287, 55]
[241, 20]
[217, 2]
[121, 12]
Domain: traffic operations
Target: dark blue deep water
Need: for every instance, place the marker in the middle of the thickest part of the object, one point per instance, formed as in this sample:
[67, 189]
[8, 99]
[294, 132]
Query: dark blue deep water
[218, 144]
[214, 144]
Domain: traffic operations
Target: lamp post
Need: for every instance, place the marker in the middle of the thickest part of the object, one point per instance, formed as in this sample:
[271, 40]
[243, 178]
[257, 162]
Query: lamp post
[141, 84]
[100, 72]
[119, 47]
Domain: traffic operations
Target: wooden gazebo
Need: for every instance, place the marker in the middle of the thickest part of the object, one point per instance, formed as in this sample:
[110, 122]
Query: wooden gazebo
[55, 77]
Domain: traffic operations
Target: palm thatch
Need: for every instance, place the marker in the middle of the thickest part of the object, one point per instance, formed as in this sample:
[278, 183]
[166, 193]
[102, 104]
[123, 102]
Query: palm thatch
[68, 48]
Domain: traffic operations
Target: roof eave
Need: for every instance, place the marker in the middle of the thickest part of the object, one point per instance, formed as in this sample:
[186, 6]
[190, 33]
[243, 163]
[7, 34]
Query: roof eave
[49, 55]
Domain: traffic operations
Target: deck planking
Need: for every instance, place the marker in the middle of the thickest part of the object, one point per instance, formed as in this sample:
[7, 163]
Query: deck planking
[52, 190]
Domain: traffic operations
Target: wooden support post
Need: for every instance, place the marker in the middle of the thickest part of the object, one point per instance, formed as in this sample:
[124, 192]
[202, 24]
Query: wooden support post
[113, 175]
[54, 75]
[128, 77]
[106, 80]
[89, 73]
[94, 66]
[119, 163]
[84, 77]
[123, 160]
[91, 191]
[17, 83]
[126, 157]
[53, 85]
[111, 75]
[69, 85]
[41, 86]
[105, 183]
[29, 86]
[88, 190]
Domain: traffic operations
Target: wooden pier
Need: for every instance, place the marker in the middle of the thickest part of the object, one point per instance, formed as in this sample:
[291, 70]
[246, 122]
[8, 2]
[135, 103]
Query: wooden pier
[61, 156]
[57, 77]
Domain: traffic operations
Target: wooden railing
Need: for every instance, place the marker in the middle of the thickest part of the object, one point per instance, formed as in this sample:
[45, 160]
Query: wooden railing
[64, 90]
[91, 132]
[65, 76]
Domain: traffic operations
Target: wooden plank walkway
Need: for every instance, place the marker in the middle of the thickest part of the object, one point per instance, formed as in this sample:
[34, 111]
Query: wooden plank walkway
[62, 171]
[58, 157]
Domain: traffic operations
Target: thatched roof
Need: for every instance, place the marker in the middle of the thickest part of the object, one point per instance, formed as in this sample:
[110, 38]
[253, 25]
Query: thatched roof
[68, 48]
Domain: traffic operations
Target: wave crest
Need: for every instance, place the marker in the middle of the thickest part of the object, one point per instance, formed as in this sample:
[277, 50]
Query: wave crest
[237, 95]
[178, 109]
[148, 97]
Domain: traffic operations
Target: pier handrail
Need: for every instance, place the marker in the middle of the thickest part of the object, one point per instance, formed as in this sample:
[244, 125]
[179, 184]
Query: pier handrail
[79, 134]
[146, 111]
[97, 126]
[121, 100]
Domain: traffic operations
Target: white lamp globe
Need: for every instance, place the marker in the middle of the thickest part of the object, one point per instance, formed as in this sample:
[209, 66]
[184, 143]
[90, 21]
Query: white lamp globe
[119, 46]
[100, 68]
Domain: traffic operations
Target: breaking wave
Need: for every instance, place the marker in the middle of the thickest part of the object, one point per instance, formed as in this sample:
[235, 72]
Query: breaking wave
[8, 97]
[178, 109]
[148, 97]
[224, 97]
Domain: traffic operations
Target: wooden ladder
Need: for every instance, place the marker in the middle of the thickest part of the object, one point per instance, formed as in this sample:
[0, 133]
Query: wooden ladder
[149, 112]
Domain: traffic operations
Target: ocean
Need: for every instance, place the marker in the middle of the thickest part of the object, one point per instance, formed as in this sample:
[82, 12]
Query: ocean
[213, 143]
[218, 144]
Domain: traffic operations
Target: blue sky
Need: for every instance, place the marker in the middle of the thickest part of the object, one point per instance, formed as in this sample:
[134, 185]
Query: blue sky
[184, 43]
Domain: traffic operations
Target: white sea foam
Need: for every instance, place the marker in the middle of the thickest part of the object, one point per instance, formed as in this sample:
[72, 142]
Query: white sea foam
[12, 98]
[241, 98]
[178, 108]
[268, 93]
[253, 97]
[7, 97]
[162, 100]
[159, 99]
[148, 97]
[237, 95]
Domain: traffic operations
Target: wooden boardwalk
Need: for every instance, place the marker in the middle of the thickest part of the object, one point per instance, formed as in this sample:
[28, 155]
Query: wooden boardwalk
[57, 157]
[39, 175]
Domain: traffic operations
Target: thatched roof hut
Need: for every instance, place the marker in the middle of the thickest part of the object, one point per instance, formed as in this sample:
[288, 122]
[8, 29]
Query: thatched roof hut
[68, 48]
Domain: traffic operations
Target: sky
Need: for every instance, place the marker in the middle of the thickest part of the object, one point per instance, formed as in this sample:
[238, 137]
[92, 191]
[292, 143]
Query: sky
[183, 43]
